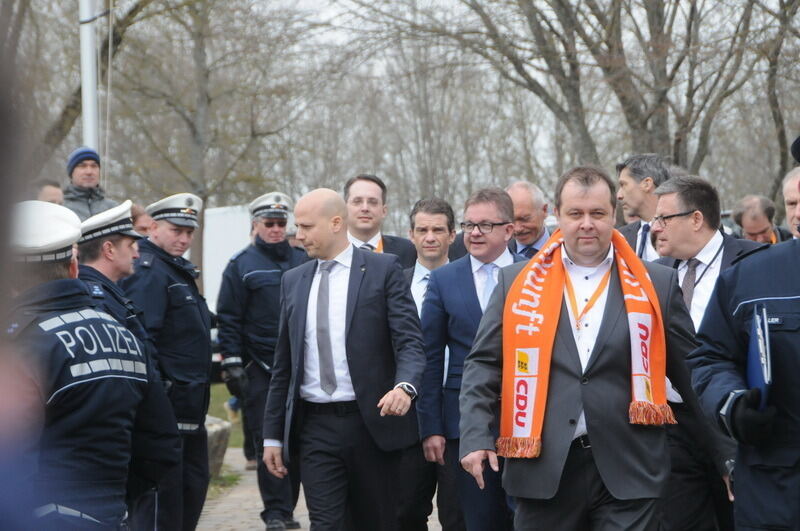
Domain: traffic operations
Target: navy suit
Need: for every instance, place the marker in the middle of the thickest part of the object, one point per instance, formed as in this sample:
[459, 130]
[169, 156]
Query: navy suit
[695, 497]
[402, 248]
[767, 477]
[451, 314]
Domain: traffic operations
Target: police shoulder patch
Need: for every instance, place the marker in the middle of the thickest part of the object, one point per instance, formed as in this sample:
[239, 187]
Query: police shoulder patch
[750, 253]
[146, 259]
[96, 290]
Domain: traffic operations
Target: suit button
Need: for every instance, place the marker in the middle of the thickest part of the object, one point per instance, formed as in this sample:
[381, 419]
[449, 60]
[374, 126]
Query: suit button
[584, 380]
[572, 422]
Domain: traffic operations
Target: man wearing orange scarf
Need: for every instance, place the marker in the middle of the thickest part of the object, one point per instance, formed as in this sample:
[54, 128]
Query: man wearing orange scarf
[576, 344]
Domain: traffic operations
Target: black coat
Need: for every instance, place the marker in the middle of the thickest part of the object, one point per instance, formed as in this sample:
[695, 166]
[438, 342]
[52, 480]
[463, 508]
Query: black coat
[248, 307]
[383, 341]
[97, 393]
[178, 323]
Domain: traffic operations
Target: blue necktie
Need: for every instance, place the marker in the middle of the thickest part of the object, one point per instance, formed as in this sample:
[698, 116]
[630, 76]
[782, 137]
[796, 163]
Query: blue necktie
[528, 252]
[488, 288]
[643, 242]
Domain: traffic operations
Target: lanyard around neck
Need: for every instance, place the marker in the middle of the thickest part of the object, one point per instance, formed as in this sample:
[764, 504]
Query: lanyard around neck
[593, 299]
[719, 250]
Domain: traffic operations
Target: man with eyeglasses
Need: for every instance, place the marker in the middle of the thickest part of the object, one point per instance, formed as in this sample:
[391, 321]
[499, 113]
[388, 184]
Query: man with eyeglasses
[248, 311]
[454, 303]
[365, 196]
[686, 229]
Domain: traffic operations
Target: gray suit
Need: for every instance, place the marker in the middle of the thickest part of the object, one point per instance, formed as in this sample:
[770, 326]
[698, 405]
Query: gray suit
[632, 460]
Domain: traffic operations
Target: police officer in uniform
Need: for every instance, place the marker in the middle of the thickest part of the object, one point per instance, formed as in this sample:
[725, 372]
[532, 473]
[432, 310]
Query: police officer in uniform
[766, 473]
[178, 323]
[106, 252]
[248, 310]
[93, 379]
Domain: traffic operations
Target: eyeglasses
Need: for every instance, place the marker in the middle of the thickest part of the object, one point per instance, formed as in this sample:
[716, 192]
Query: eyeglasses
[483, 228]
[270, 224]
[661, 221]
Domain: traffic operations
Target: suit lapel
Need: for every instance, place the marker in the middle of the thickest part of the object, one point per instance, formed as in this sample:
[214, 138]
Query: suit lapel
[566, 341]
[467, 290]
[730, 250]
[301, 305]
[357, 270]
[615, 308]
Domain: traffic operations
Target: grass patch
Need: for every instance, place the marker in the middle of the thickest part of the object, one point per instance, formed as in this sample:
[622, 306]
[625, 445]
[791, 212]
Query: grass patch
[220, 395]
[227, 479]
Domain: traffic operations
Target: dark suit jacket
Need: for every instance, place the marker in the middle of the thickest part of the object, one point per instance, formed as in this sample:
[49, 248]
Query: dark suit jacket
[383, 341]
[457, 248]
[732, 248]
[401, 248]
[451, 314]
[630, 231]
[633, 460]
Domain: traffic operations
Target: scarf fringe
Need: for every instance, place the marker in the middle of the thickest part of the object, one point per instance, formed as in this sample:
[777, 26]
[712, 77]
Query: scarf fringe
[519, 446]
[650, 414]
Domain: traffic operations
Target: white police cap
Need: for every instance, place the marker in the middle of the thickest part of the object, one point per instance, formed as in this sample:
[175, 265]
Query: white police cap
[115, 220]
[178, 209]
[43, 232]
[271, 205]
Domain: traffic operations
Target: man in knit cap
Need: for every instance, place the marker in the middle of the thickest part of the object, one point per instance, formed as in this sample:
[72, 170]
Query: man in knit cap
[83, 195]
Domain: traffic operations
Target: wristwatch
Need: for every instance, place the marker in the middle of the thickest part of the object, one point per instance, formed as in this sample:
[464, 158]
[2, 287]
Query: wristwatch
[409, 389]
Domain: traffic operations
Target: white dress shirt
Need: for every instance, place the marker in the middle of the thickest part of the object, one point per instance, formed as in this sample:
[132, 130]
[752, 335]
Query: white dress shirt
[374, 241]
[337, 316]
[650, 252]
[479, 275]
[585, 280]
[310, 389]
[419, 286]
[710, 258]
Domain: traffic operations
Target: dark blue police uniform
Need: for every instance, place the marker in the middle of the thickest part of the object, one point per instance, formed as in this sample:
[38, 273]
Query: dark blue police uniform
[141, 486]
[766, 477]
[248, 310]
[98, 392]
[178, 324]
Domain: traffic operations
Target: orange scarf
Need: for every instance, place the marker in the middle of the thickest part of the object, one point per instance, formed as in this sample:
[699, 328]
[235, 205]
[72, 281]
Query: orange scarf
[530, 319]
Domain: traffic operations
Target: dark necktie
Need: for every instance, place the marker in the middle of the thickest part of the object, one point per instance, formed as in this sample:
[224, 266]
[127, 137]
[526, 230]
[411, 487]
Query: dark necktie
[528, 252]
[687, 286]
[327, 377]
[643, 242]
[367, 247]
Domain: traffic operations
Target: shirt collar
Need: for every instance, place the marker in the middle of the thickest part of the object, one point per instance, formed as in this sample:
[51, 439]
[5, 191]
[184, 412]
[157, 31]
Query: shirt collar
[374, 241]
[419, 272]
[344, 258]
[708, 252]
[569, 264]
[538, 244]
[503, 260]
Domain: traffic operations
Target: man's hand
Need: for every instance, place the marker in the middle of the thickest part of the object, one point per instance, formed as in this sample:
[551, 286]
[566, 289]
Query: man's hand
[473, 463]
[433, 448]
[236, 381]
[273, 459]
[751, 426]
[396, 402]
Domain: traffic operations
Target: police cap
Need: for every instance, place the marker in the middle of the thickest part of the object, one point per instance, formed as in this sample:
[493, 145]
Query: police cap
[273, 205]
[116, 220]
[178, 209]
[43, 232]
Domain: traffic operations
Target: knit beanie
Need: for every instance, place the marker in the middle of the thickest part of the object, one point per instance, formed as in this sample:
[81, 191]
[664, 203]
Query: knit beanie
[79, 155]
